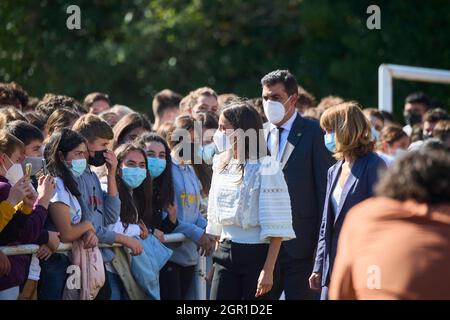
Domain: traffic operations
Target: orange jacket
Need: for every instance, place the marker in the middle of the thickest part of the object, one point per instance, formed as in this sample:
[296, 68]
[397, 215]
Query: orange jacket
[393, 250]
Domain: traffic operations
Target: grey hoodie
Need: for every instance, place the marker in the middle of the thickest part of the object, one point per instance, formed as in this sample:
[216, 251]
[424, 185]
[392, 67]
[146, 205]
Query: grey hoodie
[99, 208]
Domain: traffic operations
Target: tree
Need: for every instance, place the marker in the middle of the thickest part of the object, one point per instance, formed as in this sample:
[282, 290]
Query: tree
[132, 49]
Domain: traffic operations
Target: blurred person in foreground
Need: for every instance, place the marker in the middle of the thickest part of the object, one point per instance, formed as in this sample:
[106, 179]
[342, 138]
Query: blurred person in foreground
[397, 245]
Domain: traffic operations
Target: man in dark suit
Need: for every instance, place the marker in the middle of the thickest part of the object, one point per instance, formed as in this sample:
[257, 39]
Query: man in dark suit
[298, 144]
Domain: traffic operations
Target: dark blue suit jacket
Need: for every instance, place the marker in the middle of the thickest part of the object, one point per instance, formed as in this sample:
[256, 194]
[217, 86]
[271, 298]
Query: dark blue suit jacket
[358, 187]
[305, 172]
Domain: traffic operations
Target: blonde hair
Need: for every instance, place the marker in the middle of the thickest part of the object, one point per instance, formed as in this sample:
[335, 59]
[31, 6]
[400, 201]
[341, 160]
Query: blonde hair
[9, 143]
[185, 103]
[204, 91]
[9, 114]
[189, 101]
[351, 128]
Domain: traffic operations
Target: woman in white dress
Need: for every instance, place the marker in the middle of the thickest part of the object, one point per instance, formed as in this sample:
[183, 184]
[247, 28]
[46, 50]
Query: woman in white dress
[249, 208]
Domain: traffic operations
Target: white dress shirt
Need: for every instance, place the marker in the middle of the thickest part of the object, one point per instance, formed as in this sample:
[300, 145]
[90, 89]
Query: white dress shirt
[273, 133]
[336, 197]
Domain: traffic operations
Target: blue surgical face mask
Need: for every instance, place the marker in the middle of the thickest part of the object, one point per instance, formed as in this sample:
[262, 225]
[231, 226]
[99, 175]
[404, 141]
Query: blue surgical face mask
[156, 166]
[133, 177]
[375, 134]
[330, 142]
[207, 151]
[78, 166]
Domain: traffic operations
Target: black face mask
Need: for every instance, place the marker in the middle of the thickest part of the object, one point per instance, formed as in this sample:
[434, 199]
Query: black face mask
[412, 118]
[98, 159]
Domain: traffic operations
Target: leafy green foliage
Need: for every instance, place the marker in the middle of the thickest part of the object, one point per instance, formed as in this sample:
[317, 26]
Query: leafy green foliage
[132, 49]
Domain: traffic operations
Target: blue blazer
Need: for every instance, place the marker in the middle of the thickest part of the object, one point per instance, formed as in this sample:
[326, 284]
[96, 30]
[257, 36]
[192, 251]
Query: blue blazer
[358, 187]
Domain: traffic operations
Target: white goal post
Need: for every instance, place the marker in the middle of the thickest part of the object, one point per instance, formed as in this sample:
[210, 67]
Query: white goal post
[388, 72]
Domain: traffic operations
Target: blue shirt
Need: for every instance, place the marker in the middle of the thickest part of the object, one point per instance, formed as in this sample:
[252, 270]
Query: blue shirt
[191, 223]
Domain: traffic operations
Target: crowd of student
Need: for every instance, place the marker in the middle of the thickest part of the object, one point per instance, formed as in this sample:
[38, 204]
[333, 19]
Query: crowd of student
[267, 213]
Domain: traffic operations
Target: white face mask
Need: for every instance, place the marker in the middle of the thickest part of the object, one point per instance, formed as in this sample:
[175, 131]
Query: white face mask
[399, 152]
[14, 173]
[274, 110]
[222, 141]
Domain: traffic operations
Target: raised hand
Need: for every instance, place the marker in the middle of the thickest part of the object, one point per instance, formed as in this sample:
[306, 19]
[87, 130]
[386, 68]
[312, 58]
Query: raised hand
[46, 190]
[19, 191]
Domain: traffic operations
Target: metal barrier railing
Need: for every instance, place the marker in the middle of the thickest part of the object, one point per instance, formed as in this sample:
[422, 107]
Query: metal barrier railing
[200, 283]
[33, 248]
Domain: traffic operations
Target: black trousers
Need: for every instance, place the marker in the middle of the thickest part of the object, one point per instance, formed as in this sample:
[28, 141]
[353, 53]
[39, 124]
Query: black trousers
[175, 280]
[236, 271]
[294, 278]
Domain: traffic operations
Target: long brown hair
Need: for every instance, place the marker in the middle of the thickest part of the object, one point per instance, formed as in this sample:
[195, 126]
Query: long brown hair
[141, 200]
[60, 118]
[202, 170]
[243, 116]
[163, 195]
[62, 142]
[8, 114]
[127, 124]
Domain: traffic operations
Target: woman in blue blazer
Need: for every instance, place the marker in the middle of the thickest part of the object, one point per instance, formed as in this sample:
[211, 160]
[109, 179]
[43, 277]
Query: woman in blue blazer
[350, 181]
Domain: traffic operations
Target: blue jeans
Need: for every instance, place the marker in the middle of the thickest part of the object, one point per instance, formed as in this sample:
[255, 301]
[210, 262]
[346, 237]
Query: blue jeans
[118, 291]
[53, 277]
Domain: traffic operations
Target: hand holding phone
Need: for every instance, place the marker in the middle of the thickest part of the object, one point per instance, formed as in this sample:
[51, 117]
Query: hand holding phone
[28, 168]
[44, 167]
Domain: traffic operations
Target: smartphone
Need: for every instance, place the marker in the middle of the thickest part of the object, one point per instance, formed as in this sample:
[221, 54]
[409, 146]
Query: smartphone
[44, 167]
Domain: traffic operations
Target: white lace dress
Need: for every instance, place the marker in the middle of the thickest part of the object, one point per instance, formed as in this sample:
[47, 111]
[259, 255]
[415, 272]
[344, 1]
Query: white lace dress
[250, 206]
